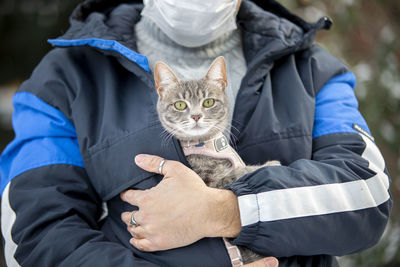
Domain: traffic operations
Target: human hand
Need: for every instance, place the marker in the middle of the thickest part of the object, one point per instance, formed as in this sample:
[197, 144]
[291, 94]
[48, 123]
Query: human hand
[180, 210]
[266, 262]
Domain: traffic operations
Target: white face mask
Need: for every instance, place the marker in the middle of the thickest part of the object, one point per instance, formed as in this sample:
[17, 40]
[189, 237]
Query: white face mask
[192, 23]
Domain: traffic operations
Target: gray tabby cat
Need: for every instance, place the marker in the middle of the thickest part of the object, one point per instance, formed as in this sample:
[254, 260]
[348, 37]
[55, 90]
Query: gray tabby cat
[195, 112]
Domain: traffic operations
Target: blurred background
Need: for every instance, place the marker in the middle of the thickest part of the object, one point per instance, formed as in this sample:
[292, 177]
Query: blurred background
[365, 35]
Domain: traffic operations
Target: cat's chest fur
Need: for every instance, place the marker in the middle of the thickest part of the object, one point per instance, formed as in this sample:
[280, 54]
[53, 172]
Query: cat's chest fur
[213, 171]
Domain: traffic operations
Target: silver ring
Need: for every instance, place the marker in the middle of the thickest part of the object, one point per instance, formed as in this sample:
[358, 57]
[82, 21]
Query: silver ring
[161, 166]
[133, 222]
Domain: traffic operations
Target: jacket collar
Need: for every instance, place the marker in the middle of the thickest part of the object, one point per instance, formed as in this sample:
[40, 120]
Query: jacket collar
[108, 25]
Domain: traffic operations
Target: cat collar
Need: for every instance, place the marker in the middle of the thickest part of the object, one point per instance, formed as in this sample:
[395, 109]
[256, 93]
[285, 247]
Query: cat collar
[217, 147]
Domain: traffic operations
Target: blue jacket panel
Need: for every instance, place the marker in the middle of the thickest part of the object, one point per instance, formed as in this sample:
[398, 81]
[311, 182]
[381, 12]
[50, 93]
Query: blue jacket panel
[37, 126]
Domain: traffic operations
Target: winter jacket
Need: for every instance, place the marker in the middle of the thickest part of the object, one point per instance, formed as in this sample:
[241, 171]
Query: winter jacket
[89, 108]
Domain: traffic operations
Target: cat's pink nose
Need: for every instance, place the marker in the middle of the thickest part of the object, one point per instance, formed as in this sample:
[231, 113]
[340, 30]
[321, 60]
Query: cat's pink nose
[196, 117]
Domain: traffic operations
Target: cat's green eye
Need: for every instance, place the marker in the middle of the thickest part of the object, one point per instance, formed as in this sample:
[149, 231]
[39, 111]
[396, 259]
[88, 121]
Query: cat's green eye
[180, 105]
[208, 103]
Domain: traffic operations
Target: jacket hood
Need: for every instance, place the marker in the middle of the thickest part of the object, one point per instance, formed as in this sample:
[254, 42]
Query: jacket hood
[266, 26]
[87, 7]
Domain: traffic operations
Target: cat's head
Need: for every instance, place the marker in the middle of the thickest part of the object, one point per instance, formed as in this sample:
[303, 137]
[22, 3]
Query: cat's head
[192, 109]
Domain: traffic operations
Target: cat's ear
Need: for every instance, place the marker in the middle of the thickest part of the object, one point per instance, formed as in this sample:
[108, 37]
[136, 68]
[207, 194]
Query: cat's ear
[163, 77]
[217, 72]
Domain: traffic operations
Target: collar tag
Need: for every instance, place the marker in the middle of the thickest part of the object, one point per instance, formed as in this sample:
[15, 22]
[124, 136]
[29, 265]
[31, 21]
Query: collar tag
[221, 143]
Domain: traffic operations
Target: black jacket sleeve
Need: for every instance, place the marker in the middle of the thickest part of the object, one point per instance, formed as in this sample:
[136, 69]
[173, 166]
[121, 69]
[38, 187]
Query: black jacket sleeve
[52, 215]
[335, 203]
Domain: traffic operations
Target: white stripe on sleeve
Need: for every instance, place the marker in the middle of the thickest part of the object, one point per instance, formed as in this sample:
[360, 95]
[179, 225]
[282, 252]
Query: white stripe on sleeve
[321, 199]
[7, 221]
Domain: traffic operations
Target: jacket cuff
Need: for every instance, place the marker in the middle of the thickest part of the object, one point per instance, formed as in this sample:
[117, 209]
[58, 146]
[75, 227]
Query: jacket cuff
[246, 236]
[249, 209]
[240, 188]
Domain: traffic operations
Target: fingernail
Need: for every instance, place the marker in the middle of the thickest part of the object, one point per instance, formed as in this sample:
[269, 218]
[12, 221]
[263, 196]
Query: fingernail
[271, 262]
[139, 158]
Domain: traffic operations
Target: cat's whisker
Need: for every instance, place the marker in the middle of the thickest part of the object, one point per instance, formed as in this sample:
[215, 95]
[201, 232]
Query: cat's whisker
[230, 126]
[238, 122]
[219, 128]
[234, 128]
[222, 129]
[169, 134]
[166, 135]
[164, 138]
